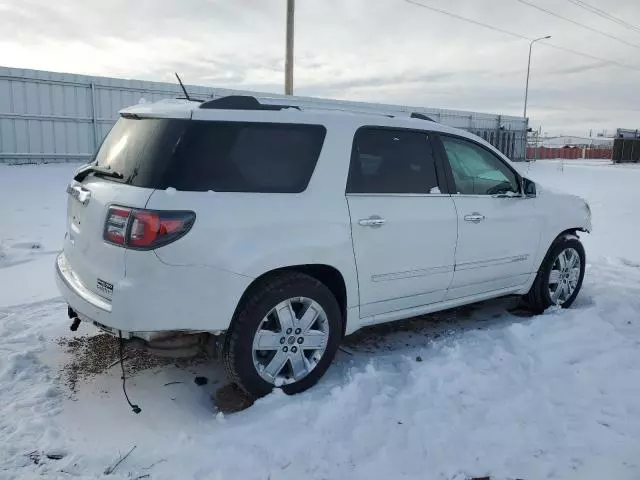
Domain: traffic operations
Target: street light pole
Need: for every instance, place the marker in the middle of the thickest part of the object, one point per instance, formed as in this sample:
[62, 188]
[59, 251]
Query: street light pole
[526, 88]
[288, 63]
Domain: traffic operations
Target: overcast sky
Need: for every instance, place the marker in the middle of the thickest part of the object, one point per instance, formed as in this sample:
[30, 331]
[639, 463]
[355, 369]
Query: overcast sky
[370, 50]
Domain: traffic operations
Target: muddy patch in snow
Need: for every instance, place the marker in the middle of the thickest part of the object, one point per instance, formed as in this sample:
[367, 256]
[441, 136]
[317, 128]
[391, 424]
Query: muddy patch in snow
[89, 356]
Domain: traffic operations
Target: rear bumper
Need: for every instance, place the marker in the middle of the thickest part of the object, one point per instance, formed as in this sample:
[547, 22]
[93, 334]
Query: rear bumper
[67, 281]
[166, 299]
[88, 305]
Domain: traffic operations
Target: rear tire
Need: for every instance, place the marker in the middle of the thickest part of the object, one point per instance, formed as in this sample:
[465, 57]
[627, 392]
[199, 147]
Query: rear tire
[272, 316]
[560, 276]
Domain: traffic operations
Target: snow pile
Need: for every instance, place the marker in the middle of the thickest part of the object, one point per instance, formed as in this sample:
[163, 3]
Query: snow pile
[479, 392]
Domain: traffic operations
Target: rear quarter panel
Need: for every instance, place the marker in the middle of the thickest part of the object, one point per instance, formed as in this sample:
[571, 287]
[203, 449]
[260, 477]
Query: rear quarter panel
[251, 234]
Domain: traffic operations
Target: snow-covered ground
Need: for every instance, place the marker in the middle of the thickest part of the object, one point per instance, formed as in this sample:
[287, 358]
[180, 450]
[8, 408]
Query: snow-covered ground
[554, 396]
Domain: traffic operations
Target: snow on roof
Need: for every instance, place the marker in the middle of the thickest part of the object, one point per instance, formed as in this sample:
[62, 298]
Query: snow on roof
[171, 107]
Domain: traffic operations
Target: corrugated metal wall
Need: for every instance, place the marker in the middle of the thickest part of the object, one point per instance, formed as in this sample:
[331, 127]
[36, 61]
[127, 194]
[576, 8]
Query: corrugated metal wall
[60, 117]
[626, 150]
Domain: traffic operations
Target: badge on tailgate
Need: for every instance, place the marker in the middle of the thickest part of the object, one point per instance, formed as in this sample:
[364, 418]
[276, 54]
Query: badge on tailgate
[79, 193]
[105, 287]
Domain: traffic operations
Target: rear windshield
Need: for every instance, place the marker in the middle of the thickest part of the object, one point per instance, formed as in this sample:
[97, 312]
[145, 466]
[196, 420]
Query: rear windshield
[197, 155]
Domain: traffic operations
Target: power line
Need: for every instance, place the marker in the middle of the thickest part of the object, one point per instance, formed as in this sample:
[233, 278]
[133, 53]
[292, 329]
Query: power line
[524, 37]
[605, 15]
[549, 12]
[459, 17]
[593, 57]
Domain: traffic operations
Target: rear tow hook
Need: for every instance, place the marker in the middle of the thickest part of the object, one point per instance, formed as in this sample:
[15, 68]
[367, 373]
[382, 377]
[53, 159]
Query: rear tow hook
[76, 321]
[75, 324]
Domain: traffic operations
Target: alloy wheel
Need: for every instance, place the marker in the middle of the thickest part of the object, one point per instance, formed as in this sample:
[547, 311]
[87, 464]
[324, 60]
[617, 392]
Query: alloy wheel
[290, 341]
[564, 276]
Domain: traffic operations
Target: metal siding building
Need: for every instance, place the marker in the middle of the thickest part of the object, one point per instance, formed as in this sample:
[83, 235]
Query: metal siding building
[60, 117]
[626, 146]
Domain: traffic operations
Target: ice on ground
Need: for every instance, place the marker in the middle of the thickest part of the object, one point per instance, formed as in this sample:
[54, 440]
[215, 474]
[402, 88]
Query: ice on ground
[553, 396]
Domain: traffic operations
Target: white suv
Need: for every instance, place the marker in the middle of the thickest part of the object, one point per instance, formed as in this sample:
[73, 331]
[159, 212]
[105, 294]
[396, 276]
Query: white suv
[285, 229]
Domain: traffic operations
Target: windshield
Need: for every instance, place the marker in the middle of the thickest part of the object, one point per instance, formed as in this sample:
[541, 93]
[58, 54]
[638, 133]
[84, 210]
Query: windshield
[196, 155]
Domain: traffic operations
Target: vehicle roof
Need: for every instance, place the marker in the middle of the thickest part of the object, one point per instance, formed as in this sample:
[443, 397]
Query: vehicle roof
[181, 108]
[188, 109]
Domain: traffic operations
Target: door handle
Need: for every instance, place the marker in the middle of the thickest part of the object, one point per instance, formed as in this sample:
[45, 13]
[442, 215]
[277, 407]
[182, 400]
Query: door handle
[373, 221]
[475, 217]
[507, 195]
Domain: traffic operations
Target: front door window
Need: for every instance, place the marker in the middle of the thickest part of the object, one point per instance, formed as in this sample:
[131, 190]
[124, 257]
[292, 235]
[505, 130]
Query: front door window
[476, 171]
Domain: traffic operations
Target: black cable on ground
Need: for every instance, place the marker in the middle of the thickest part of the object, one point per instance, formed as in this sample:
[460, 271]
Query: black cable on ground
[135, 408]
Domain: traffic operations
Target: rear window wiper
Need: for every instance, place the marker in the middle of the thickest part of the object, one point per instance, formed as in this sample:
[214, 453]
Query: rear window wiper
[96, 170]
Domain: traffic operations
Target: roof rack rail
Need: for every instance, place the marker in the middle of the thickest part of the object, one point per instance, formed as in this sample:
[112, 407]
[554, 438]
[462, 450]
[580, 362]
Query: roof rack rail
[242, 102]
[249, 102]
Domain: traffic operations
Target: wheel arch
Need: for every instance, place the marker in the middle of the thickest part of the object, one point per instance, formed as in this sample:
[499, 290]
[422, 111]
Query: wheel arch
[567, 232]
[570, 231]
[534, 298]
[328, 275]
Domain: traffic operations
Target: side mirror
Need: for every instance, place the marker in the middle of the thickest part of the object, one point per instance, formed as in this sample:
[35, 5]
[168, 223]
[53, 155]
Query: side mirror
[528, 187]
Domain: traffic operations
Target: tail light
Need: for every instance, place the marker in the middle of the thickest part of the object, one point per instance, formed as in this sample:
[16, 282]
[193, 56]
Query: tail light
[145, 229]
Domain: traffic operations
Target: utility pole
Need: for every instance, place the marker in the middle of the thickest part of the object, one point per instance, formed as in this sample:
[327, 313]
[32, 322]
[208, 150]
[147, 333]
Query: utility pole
[288, 64]
[526, 88]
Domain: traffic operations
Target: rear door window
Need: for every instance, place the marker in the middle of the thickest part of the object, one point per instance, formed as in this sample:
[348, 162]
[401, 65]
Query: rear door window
[385, 160]
[195, 155]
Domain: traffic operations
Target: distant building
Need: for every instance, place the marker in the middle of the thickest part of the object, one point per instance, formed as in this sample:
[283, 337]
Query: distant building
[574, 141]
[569, 147]
[626, 133]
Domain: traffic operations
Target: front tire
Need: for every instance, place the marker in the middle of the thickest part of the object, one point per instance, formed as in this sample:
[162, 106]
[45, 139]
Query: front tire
[285, 334]
[560, 277]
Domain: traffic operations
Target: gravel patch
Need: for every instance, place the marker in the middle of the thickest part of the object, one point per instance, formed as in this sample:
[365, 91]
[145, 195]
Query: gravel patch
[94, 355]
